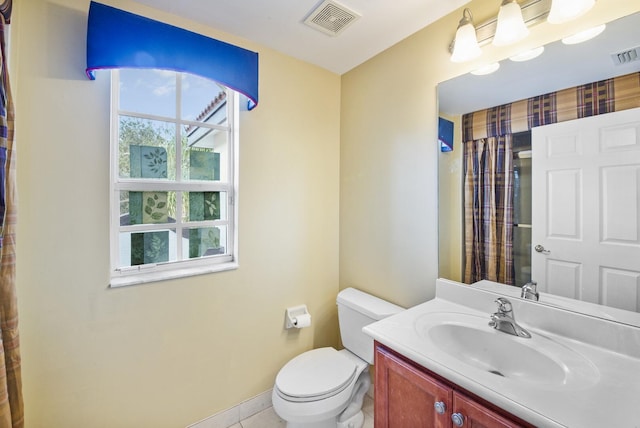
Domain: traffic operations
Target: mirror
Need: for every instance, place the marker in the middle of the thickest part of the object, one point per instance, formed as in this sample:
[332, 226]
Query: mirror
[560, 66]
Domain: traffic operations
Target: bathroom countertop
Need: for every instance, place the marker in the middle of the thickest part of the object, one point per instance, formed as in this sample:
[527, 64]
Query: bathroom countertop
[611, 398]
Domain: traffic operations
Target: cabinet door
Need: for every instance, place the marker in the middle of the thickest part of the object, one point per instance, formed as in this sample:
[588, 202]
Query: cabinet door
[406, 397]
[477, 416]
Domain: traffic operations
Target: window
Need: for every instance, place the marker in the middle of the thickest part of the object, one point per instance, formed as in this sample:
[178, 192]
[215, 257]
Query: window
[173, 174]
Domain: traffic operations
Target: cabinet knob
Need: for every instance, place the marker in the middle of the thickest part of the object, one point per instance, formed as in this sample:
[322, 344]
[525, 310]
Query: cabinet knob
[458, 419]
[440, 407]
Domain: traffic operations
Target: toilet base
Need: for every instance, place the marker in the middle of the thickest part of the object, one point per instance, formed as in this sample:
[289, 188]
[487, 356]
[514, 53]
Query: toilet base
[355, 421]
[322, 424]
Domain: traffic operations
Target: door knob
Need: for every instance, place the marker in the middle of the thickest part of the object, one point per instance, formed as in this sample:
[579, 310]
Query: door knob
[540, 249]
[440, 407]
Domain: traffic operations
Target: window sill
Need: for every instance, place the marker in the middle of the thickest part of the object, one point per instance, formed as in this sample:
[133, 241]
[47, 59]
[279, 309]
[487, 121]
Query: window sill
[144, 278]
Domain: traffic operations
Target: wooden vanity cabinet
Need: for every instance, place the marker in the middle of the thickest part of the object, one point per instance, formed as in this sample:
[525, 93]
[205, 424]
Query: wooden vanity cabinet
[406, 396]
[478, 416]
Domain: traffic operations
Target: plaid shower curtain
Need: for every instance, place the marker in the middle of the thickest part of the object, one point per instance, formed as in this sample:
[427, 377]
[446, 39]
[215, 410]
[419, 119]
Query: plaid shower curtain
[488, 210]
[11, 404]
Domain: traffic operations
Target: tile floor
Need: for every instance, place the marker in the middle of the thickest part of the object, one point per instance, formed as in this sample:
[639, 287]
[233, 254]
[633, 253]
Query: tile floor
[268, 418]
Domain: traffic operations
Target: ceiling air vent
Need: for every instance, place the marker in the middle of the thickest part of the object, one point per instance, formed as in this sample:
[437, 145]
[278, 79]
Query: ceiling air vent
[626, 56]
[331, 18]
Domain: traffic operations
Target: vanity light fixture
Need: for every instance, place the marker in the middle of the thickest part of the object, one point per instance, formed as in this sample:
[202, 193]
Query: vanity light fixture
[583, 36]
[469, 38]
[527, 55]
[465, 46]
[511, 27]
[487, 69]
[565, 10]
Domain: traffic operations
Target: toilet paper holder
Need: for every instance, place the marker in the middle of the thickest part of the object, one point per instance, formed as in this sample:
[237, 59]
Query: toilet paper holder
[293, 313]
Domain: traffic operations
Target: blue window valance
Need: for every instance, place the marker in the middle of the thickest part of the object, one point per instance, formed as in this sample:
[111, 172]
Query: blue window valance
[119, 39]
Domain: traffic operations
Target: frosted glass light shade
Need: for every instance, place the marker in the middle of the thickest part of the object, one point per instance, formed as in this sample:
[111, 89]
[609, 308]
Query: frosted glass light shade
[566, 10]
[511, 27]
[466, 45]
[487, 69]
[585, 35]
[527, 55]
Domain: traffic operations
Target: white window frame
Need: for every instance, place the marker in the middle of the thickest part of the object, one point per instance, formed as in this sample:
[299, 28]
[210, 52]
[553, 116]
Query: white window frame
[182, 268]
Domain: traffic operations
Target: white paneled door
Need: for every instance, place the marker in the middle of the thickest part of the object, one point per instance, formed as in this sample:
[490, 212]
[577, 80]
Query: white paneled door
[586, 209]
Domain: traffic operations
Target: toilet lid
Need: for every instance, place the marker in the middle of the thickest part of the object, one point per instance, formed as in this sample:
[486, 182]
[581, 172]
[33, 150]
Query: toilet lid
[316, 374]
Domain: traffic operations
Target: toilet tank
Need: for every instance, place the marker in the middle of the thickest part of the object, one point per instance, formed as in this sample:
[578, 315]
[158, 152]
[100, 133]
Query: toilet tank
[357, 309]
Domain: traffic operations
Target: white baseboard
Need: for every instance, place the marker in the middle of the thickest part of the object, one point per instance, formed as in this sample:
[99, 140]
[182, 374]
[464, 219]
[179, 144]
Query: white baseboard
[237, 413]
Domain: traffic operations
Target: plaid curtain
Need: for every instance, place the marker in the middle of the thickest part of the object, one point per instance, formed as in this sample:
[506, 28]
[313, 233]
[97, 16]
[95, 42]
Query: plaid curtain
[606, 96]
[488, 211]
[11, 404]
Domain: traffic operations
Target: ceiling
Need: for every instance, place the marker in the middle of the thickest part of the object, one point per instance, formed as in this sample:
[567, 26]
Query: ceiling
[279, 24]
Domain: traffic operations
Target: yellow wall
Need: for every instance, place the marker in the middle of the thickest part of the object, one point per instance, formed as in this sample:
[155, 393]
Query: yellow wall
[389, 152]
[450, 215]
[170, 353]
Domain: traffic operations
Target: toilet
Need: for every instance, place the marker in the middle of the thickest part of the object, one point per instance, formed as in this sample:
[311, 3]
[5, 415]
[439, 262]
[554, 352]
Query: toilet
[324, 387]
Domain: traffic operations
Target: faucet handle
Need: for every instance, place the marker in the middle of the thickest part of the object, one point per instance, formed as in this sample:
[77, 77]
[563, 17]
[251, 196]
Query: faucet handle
[504, 305]
[493, 320]
[530, 291]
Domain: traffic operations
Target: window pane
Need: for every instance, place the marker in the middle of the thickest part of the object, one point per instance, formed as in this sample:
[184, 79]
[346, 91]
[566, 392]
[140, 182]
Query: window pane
[138, 248]
[148, 91]
[151, 207]
[146, 148]
[204, 206]
[207, 158]
[203, 100]
[204, 164]
[205, 241]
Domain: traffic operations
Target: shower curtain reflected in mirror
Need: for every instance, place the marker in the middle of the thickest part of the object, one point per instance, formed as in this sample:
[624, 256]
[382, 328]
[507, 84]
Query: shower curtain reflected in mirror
[488, 213]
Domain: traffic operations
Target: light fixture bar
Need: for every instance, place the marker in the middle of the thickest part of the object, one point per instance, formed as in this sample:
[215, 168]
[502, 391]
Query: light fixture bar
[533, 12]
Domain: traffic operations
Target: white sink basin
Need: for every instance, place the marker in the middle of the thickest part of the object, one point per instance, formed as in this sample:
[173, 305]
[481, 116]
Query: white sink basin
[538, 361]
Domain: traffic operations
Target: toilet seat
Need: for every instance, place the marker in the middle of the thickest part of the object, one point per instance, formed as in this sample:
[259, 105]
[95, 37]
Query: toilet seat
[315, 375]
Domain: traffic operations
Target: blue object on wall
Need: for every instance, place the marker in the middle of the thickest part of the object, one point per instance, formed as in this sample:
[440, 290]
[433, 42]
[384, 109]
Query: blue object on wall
[445, 134]
[119, 39]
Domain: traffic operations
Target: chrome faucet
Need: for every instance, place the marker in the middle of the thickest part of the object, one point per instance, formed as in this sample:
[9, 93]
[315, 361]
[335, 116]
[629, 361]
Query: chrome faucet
[505, 321]
[530, 291]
